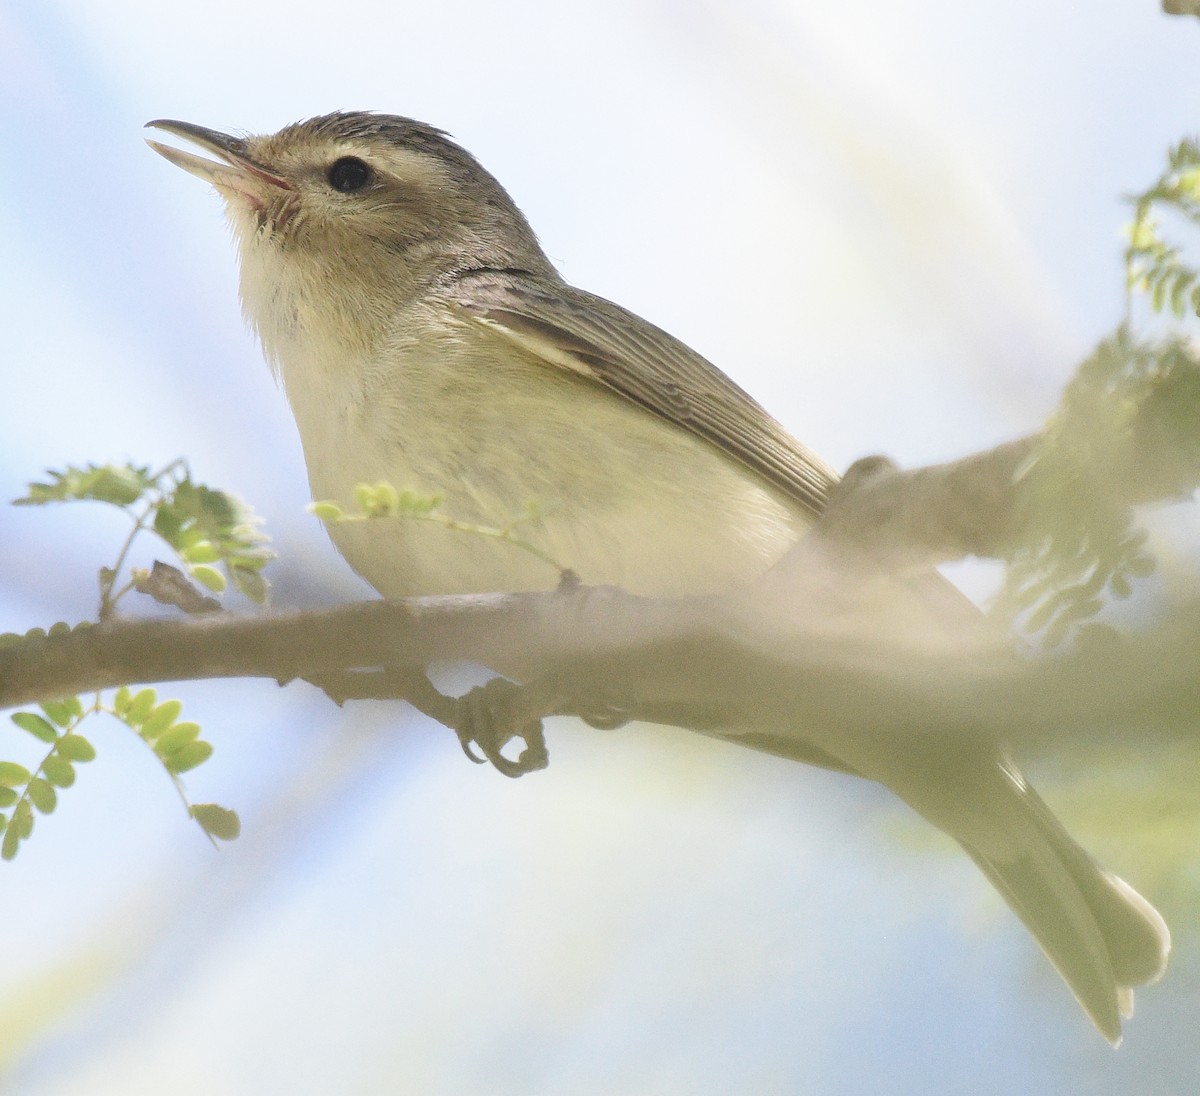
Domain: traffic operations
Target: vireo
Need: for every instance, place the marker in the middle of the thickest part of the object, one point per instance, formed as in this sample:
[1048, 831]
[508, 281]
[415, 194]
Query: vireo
[423, 338]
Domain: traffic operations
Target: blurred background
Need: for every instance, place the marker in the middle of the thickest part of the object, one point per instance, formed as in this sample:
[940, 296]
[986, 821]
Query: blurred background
[897, 225]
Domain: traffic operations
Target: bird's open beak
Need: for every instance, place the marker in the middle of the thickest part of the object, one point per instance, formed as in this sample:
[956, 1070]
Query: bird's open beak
[233, 174]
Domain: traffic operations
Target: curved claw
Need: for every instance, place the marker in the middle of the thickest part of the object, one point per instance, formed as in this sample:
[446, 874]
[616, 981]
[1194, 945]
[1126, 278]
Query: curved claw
[533, 757]
[466, 742]
[489, 717]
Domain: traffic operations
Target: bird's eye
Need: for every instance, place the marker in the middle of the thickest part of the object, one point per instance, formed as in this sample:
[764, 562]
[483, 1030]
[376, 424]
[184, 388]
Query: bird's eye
[348, 174]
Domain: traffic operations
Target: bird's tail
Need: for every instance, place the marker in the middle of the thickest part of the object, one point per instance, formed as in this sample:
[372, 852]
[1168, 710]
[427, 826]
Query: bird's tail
[1101, 935]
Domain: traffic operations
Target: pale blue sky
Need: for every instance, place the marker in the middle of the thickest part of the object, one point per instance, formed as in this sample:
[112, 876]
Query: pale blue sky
[897, 225]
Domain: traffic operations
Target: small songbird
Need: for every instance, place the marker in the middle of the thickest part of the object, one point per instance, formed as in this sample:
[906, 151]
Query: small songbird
[423, 338]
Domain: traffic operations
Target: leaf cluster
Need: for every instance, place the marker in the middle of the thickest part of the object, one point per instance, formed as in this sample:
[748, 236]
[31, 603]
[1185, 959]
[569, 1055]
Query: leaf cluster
[207, 529]
[23, 791]
[176, 744]
[383, 500]
[1131, 403]
[1153, 265]
[204, 526]
[179, 748]
[1078, 538]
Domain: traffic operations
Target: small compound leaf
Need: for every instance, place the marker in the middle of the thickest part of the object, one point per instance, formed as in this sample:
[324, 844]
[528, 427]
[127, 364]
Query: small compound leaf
[42, 795]
[188, 757]
[22, 818]
[161, 718]
[8, 796]
[12, 774]
[63, 711]
[176, 738]
[76, 748]
[141, 707]
[217, 821]
[1141, 566]
[122, 699]
[120, 485]
[209, 576]
[1087, 607]
[250, 583]
[1056, 633]
[12, 839]
[203, 551]
[35, 725]
[59, 771]
[327, 510]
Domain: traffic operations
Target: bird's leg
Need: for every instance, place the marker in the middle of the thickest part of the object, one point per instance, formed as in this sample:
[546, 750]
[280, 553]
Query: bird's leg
[489, 716]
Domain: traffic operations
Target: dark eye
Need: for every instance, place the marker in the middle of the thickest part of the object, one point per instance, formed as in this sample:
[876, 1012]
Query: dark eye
[348, 174]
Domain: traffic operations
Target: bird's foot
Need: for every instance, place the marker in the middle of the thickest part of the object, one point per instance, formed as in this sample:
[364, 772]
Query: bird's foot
[490, 716]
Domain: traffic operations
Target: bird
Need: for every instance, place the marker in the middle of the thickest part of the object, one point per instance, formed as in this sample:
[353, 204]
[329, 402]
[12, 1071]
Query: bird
[424, 339]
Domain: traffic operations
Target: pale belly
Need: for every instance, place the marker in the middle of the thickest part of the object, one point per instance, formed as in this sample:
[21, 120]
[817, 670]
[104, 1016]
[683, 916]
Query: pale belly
[625, 498]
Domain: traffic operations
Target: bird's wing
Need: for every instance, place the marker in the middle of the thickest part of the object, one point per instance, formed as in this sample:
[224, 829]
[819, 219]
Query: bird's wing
[591, 337]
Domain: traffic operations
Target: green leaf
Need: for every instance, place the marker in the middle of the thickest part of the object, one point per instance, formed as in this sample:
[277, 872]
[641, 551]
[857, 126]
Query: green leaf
[167, 524]
[35, 725]
[1179, 290]
[59, 771]
[208, 576]
[76, 748]
[387, 498]
[202, 552]
[217, 821]
[1044, 613]
[161, 718]
[63, 711]
[1141, 566]
[141, 707]
[8, 796]
[22, 818]
[12, 774]
[1088, 607]
[122, 699]
[120, 485]
[1158, 294]
[1119, 585]
[250, 583]
[12, 839]
[1056, 633]
[42, 795]
[327, 510]
[178, 736]
[364, 496]
[188, 757]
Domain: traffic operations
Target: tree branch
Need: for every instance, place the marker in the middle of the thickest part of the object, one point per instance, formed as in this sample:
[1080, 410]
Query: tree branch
[805, 647]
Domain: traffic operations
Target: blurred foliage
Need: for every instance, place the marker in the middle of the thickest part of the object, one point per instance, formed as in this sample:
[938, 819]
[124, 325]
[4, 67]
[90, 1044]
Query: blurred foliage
[1152, 838]
[1125, 428]
[1128, 416]
[1130, 405]
[1153, 265]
